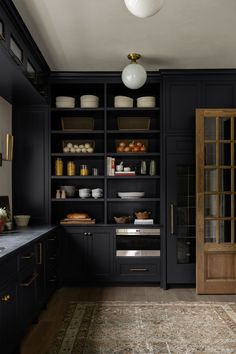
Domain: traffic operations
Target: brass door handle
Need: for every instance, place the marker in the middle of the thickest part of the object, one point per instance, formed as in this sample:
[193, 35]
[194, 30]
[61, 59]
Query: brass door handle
[40, 254]
[28, 257]
[26, 284]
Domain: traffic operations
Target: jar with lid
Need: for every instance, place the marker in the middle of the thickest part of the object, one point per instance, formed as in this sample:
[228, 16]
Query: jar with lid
[84, 170]
[58, 167]
[70, 168]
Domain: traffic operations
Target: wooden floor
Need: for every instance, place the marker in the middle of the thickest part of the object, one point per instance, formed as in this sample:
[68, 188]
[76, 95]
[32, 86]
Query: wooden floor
[40, 335]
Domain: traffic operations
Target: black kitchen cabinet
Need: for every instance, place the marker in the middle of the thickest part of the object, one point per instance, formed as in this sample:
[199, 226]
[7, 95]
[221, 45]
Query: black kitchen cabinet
[181, 231]
[87, 254]
[181, 97]
[8, 306]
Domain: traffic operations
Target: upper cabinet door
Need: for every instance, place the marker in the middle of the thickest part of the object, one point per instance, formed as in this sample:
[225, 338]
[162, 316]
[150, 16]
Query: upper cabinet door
[182, 97]
[219, 94]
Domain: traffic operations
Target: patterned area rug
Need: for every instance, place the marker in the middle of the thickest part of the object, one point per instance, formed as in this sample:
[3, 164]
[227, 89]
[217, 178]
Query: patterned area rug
[147, 328]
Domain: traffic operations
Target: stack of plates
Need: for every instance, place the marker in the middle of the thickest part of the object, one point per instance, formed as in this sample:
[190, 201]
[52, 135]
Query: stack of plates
[89, 101]
[131, 195]
[123, 101]
[146, 101]
[65, 102]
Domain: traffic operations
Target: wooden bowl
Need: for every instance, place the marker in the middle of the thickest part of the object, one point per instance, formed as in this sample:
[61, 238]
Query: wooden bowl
[123, 219]
[142, 214]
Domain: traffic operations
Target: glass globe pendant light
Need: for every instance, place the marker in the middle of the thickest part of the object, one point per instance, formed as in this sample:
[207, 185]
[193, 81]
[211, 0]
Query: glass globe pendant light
[144, 8]
[134, 75]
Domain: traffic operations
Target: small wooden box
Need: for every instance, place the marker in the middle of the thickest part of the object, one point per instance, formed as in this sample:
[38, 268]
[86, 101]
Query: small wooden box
[77, 123]
[133, 123]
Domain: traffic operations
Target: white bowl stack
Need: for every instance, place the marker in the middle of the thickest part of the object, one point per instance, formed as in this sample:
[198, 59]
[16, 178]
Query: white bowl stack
[146, 101]
[89, 101]
[97, 193]
[22, 220]
[84, 193]
[65, 102]
[123, 101]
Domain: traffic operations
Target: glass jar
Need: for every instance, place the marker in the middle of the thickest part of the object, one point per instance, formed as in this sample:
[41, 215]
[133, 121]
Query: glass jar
[58, 167]
[84, 170]
[70, 168]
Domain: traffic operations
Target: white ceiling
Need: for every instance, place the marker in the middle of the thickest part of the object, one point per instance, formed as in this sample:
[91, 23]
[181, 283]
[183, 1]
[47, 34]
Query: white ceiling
[97, 35]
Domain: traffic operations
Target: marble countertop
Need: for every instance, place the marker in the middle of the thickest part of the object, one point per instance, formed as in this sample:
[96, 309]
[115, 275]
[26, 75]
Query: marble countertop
[11, 241]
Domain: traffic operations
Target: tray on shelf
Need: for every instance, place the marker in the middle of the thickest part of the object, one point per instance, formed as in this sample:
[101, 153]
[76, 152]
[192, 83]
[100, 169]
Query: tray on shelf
[133, 123]
[74, 124]
[139, 145]
[78, 142]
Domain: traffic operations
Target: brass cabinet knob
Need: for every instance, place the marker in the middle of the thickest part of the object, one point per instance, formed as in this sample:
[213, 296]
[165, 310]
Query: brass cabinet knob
[5, 298]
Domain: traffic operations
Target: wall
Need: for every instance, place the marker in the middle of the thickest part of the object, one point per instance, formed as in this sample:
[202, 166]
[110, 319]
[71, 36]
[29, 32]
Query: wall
[6, 169]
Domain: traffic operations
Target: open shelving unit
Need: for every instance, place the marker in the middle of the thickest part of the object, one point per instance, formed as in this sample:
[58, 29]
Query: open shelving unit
[105, 134]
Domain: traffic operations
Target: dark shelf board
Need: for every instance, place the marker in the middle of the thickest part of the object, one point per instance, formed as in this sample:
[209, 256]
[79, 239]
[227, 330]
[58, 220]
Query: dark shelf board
[141, 109]
[136, 226]
[90, 200]
[76, 109]
[134, 177]
[62, 154]
[148, 132]
[135, 154]
[77, 132]
[77, 177]
[133, 200]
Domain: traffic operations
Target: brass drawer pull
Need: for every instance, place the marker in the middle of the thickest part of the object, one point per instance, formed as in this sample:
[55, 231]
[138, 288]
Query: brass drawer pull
[26, 284]
[28, 257]
[172, 231]
[138, 269]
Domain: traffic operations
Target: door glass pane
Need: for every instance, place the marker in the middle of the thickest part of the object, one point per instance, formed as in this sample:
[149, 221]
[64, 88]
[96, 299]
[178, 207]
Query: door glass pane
[210, 205]
[15, 48]
[186, 251]
[225, 205]
[225, 156]
[210, 154]
[225, 180]
[225, 231]
[224, 128]
[210, 230]
[210, 180]
[185, 209]
[209, 129]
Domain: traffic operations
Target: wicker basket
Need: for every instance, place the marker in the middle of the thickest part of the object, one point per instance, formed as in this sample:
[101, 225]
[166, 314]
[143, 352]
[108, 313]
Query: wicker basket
[133, 123]
[77, 123]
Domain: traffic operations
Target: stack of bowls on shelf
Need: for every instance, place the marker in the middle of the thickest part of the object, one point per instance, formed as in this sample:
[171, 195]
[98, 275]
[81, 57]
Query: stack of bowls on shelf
[123, 101]
[89, 101]
[146, 101]
[65, 102]
[84, 193]
[97, 193]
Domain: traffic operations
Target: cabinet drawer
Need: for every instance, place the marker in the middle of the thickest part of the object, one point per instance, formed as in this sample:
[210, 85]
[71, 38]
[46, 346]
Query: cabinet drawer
[8, 268]
[27, 257]
[137, 269]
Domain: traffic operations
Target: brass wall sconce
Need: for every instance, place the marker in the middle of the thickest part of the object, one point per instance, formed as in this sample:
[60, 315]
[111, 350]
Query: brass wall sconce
[9, 149]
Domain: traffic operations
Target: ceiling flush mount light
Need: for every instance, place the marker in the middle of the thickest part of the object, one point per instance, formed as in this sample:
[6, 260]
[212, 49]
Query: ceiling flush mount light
[144, 8]
[134, 75]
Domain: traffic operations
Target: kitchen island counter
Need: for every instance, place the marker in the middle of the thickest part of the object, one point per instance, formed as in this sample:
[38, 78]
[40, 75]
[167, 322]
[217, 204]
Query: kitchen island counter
[12, 241]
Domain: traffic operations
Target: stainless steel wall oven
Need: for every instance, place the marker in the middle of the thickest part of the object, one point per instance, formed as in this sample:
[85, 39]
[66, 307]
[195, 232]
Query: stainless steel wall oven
[143, 242]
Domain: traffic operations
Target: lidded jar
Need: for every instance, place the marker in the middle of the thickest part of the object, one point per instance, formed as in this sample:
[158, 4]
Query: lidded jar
[58, 167]
[70, 168]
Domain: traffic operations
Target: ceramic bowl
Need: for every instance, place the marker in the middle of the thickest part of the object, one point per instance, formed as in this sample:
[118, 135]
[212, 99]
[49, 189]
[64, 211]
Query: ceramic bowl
[123, 101]
[97, 190]
[70, 190]
[123, 219]
[146, 101]
[119, 168]
[89, 101]
[22, 220]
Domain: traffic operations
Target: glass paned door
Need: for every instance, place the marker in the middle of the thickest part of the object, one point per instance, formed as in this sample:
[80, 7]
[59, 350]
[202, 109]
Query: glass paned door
[216, 200]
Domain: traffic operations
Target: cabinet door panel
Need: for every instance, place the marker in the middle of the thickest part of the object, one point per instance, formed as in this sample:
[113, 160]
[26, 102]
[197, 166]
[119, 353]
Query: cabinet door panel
[218, 95]
[182, 98]
[74, 254]
[181, 216]
[99, 250]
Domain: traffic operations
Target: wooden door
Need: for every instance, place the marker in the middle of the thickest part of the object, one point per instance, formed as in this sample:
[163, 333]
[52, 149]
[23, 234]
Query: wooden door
[216, 199]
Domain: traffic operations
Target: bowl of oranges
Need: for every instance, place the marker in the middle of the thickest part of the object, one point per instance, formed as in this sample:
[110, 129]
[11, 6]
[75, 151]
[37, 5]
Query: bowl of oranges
[131, 146]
